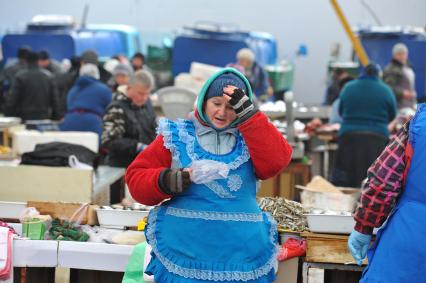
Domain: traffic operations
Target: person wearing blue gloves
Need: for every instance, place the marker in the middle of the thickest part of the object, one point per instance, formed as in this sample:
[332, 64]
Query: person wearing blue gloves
[394, 198]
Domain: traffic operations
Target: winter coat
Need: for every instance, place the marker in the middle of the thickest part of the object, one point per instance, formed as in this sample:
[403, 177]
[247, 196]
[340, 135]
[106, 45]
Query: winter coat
[127, 129]
[33, 96]
[268, 150]
[366, 105]
[86, 103]
[394, 76]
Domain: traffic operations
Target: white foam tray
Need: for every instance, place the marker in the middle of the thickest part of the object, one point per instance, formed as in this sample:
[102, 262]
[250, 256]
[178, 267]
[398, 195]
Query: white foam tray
[118, 217]
[333, 224]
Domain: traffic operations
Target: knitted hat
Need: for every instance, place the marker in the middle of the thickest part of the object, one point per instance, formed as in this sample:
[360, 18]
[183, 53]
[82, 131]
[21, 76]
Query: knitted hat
[122, 69]
[43, 55]
[216, 87]
[399, 48]
[372, 70]
[89, 56]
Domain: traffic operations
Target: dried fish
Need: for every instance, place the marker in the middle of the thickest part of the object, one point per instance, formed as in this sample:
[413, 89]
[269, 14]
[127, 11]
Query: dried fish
[290, 215]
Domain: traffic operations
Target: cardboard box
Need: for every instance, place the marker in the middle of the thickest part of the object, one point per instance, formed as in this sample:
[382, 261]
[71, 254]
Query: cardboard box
[319, 193]
[84, 213]
[43, 183]
[57, 184]
[287, 271]
[327, 248]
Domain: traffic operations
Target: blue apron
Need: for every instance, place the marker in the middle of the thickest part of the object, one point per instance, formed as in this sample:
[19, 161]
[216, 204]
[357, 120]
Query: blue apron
[213, 232]
[399, 252]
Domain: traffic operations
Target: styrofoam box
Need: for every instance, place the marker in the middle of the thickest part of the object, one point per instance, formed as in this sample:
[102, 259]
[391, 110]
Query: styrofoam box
[118, 217]
[335, 224]
[323, 223]
[187, 81]
[11, 210]
[203, 71]
[329, 201]
[26, 140]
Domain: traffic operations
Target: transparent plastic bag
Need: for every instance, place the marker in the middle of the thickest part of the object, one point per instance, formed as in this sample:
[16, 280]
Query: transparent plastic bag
[205, 171]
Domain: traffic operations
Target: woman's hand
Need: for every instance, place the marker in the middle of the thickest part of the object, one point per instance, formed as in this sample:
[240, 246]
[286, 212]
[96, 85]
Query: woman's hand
[175, 181]
[239, 100]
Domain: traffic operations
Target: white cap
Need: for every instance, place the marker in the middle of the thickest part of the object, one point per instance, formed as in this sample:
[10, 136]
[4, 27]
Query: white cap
[245, 54]
[399, 48]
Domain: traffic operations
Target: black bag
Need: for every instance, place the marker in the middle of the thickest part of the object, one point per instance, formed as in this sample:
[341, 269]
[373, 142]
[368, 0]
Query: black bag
[58, 153]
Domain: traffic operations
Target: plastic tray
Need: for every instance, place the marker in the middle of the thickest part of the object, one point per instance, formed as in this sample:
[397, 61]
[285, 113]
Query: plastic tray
[118, 217]
[334, 224]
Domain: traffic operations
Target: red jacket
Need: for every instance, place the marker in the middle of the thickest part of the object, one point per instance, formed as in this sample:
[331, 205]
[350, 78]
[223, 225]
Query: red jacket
[269, 152]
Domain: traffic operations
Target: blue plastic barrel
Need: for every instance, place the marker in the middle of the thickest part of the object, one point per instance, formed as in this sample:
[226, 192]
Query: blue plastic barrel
[219, 48]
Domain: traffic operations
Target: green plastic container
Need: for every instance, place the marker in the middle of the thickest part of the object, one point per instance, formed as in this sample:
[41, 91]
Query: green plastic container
[159, 58]
[33, 228]
[280, 76]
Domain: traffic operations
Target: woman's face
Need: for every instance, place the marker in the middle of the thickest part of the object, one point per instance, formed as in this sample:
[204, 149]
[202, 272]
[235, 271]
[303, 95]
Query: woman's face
[220, 112]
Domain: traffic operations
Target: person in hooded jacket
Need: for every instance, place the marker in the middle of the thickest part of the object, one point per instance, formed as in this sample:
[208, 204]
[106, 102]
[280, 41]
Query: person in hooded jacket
[86, 102]
[394, 200]
[212, 231]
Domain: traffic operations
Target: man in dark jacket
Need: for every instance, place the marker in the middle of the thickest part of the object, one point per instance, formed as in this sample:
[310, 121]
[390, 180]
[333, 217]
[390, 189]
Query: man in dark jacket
[400, 77]
[8, 74]
[129, 123]
[33, 95]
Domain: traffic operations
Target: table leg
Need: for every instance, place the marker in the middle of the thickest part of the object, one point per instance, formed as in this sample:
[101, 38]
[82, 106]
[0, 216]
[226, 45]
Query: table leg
[305, 272]
[6, 137]
[23, 275]
[326, 160]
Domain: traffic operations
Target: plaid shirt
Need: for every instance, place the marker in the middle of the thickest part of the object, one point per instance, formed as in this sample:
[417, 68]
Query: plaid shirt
[384, 184]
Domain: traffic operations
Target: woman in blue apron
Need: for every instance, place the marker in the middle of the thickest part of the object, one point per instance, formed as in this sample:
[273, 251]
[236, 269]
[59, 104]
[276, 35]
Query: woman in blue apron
[211, 231]
[398, 253]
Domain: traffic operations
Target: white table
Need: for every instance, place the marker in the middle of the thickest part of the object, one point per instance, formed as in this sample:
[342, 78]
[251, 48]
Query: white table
[89, 256]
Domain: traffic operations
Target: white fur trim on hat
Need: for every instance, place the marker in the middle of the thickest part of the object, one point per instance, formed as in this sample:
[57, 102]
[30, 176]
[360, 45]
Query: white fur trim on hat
[90, 70]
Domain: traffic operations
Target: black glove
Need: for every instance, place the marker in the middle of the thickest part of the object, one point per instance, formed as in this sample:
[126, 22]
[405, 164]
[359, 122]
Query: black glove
[174, 181]
[241, 103]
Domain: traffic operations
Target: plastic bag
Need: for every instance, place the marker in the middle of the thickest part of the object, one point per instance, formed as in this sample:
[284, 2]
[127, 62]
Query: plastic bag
[28, 214]
[292, 248]
[205, 171]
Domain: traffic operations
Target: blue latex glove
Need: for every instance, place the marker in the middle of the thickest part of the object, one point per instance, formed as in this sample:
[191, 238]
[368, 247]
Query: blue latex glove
[358, 244]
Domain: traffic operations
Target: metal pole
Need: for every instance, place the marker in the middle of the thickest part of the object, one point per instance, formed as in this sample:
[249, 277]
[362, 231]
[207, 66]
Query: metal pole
[359, 50]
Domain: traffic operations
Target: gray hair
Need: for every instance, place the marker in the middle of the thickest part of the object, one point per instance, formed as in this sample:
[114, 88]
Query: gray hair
[399, 48]
[142, 77]
[245, 54]
[90, 70]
